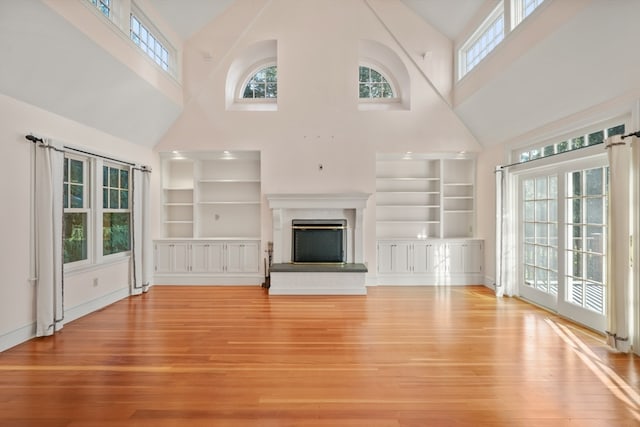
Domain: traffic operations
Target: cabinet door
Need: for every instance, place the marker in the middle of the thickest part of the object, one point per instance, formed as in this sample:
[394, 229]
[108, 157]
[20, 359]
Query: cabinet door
[251, 257]
[163, 258]
[172, 257]
[207, 257]
[473, 257]
[199, 257]
[242, 257]
[464, 257]
[423, 261]
[385, 256]
[180, 255]
[215, 257]
[394, 257]
[453, 257]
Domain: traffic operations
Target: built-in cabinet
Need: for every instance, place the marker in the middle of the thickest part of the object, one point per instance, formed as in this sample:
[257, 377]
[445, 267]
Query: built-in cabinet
[425, 220]
[211, 210]
[206, 256]
[430, 262]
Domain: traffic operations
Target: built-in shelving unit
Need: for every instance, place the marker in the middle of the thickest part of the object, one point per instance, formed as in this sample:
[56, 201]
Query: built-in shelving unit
[211, 210]
[212, 194]
[177, 197]
[425, 215]
[421, 197]
[407, 197]
[458, 197]
[228, 196]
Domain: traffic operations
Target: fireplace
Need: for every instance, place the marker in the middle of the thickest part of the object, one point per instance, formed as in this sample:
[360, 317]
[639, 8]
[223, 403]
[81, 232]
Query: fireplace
[319, 241]
[328, 257]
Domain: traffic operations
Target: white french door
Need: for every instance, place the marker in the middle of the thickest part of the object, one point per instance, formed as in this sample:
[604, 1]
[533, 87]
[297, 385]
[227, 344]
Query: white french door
[563, 239]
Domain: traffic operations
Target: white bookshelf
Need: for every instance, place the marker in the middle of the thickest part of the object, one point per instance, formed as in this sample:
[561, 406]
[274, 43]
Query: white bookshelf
[211, 204]
[228, 196]
[458, 197]
[422, 197]
[408, 193]
[177, 197]
[211, 195]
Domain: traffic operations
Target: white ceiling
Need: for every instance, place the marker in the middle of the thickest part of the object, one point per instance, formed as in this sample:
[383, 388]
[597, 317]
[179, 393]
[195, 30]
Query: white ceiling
[587, 61]
[447, 16]
[187, 17]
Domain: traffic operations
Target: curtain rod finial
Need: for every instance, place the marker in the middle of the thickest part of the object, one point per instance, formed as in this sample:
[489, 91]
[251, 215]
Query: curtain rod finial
[32, 138]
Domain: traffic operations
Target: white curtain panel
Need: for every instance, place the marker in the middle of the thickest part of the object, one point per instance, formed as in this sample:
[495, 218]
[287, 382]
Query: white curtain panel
[506, 249]
[142, 252]
[618, 264]
[49, 176]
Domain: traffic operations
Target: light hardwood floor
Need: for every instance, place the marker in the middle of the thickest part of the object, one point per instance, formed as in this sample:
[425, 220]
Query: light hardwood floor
[400, 356]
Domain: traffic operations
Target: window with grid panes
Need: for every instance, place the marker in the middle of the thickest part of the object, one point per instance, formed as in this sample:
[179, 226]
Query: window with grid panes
[116, 213]
[104, 6]
[574, 143]
[523, 8]
[587, 237]
[150, 42]
[373, 84]
[483, 41]
[540, 206]
[76, 209]
[263, 84]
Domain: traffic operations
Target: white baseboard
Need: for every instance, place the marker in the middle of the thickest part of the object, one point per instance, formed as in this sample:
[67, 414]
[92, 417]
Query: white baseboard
[203, 280]
[429, 280]
[17, 336]
[25, 333]
[490, 282]
[83, 309]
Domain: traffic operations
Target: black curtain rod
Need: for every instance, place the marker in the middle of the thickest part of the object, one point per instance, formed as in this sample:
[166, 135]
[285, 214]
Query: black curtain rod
[143, 168]
[636, 134]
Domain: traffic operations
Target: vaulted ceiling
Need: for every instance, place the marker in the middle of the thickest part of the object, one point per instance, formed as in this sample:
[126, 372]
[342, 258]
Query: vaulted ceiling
[582, 62]
[187, 17]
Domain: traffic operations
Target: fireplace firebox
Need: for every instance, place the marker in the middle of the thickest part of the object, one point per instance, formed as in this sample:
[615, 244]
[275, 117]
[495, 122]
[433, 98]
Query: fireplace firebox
[319, 241]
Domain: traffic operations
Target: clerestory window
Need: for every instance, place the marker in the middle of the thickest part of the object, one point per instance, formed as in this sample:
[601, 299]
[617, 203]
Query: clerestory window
[374, 85]
[579, 141]
[104, 6]
[521, 9]
[483, 41]
[263, 84]
[145, 40]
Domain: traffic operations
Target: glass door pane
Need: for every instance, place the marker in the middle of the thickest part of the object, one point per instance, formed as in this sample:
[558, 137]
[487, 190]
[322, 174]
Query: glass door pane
[539, 197]
[586, 230]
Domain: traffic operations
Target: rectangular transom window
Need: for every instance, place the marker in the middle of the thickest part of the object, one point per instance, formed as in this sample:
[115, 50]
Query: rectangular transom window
[150, 41]
[104, 6]
[483, 41]
[521, 9]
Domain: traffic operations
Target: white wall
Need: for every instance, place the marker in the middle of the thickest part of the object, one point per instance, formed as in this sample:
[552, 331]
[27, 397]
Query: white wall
[17, 303]
[317, 120]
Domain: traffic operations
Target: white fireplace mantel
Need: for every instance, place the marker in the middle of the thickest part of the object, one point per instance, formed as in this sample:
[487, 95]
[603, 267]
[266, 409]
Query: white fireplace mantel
[288, 206]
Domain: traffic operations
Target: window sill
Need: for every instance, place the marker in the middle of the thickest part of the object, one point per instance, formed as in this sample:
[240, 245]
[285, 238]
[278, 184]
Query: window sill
[391, 105]
[240, 105]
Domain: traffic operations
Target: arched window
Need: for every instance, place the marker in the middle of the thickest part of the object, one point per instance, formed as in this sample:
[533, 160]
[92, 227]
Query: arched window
[374, 85]
[263, 84]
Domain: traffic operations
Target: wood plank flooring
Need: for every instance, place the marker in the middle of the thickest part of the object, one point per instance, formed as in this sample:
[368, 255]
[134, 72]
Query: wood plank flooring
[400, 356]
